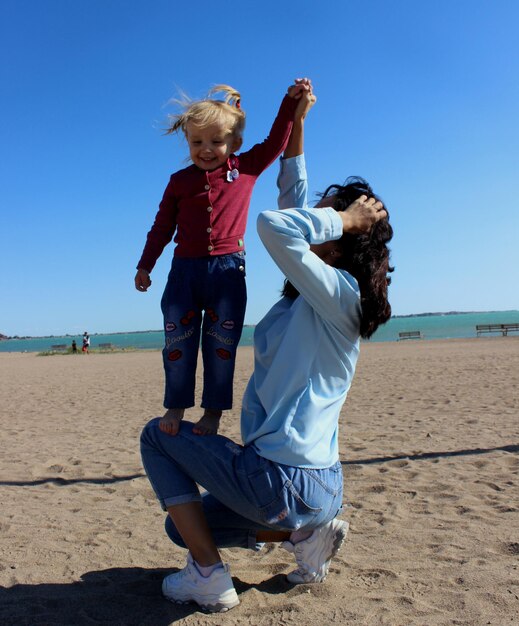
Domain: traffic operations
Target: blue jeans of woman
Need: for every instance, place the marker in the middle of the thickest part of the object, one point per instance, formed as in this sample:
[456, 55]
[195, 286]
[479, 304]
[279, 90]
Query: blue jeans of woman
[204, 295]
[246, 492]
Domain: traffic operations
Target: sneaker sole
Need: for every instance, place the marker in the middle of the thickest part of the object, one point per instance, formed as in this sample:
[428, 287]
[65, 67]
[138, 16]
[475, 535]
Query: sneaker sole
[338, 538]
[219, 606]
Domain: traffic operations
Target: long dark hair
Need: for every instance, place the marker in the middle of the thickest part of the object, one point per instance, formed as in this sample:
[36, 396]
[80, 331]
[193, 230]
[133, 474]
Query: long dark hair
[365, 257]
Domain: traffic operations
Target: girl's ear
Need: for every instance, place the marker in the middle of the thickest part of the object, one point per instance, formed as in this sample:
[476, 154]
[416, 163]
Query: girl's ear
[236, 144]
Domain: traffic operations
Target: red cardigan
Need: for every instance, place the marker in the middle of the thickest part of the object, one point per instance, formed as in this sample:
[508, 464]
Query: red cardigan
[209, 213]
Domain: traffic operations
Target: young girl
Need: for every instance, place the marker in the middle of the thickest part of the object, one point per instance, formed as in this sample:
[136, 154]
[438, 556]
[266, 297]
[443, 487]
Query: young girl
[205, 206]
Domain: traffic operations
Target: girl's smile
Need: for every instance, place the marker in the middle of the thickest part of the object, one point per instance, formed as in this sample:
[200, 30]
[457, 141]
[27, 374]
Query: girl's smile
[210, 146]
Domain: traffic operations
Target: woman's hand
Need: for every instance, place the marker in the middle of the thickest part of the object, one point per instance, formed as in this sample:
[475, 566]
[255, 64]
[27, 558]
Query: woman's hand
[302, 90]
[306, 102]
[360, 216]
[300, 86]
[142, 280]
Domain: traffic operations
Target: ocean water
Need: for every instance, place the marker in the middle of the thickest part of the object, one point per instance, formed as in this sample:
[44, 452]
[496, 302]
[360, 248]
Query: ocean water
[455, 326]
[460, 325]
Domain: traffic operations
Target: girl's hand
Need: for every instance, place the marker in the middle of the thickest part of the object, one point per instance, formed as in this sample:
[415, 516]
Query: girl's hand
[142, 280]
[360, 216]
[300, 86]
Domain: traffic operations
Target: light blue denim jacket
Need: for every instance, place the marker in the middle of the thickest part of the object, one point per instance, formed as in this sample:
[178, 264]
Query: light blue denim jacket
[292, 183]
[305, 349]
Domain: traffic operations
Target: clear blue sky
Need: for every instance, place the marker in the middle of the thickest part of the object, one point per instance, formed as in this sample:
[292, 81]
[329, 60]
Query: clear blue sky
[420, 98]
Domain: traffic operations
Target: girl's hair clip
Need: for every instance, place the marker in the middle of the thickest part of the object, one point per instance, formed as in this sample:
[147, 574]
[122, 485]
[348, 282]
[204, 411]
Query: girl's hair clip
[238, 104]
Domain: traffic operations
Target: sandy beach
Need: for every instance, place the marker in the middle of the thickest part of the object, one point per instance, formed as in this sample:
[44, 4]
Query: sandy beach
[430, 451]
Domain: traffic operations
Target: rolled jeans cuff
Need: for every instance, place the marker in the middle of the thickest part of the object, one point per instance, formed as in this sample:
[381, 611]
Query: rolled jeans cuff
[183, 499]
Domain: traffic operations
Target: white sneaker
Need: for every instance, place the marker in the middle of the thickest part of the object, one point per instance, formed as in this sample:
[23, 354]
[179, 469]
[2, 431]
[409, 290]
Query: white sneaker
[215, 593]
[313, 555]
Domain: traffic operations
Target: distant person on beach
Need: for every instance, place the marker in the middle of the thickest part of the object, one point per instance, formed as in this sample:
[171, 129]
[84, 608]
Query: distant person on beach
[86, 342]
[74, 346]
[285, 483]
[205, 207]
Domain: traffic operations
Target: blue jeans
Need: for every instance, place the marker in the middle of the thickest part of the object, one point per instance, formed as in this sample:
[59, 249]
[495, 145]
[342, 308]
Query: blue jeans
[207, 295]
[246, 492]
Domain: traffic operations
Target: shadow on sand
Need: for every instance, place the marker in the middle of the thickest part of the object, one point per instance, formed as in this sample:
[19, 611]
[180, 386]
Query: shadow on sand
[58, 480]
[514, 448]
[112, 597]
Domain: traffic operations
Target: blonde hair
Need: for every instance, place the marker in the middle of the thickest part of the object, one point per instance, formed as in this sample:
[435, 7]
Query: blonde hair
[210, 111]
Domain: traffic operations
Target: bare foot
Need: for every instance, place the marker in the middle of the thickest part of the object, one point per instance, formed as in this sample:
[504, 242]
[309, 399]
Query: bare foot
[209, 423]
[170, 422]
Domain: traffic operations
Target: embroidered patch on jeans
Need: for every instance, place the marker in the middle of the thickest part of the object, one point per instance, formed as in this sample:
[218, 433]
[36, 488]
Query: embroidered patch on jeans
[170, 341]
[212, 314]
[223, 354]
[228, 341]
[170, 327]
[175, 355]
[227, 324]
[188, 317]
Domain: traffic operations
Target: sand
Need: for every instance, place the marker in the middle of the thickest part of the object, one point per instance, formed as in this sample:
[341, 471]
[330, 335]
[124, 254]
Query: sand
[430, 447]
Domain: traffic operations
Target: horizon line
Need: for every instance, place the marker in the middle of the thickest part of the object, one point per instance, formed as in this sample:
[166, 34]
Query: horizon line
[160, 330]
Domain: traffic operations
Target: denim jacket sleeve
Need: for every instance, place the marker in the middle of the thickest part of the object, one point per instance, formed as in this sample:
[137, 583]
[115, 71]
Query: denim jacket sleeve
[332, 293]
[292, 183]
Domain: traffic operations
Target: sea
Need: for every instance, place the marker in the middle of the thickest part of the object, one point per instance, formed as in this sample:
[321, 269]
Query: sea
[432, 326]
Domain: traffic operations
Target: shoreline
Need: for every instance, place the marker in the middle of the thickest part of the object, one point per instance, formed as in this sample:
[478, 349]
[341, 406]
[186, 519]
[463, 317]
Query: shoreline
[100, 334]
[435, 327]
[364, 342]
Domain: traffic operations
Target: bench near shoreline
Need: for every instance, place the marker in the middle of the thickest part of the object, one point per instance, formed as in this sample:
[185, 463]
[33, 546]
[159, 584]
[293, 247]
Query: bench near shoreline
[410, 334]
[504, 329]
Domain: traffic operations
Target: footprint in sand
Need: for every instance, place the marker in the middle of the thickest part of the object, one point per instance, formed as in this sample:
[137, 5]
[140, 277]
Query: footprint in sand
[402, 463]
[491, 485]
[505, 508]
[511, 548]
[50, 468]
[374, 577]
